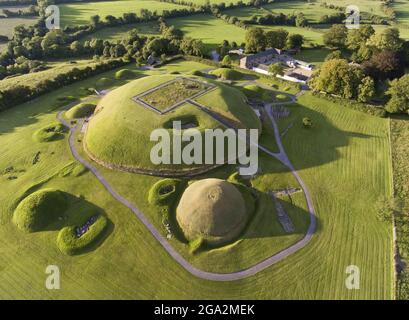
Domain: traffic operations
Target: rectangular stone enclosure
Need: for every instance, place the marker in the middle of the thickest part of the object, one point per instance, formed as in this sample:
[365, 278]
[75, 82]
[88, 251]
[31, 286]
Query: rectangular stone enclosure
[172, 94]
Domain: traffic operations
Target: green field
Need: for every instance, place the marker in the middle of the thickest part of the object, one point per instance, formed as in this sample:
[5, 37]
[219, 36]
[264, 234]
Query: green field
[7, 26]
[343, 159]
[312, 11]
[370, 6]
[118, 33]
[210, 30]
[80, 13]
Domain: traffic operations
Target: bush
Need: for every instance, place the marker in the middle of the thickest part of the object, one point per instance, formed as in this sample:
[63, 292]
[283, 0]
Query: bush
[227, 74]
[124, 74]
[49, 133]
[82, 110]
[164, 191]
[39, 209]
[69, 243]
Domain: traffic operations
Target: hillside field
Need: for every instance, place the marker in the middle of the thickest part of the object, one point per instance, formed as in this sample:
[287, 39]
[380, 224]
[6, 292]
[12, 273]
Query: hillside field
[344, 160]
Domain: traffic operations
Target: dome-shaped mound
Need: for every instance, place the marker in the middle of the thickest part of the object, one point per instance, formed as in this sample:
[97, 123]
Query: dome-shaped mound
[118, 134]
[211, 209]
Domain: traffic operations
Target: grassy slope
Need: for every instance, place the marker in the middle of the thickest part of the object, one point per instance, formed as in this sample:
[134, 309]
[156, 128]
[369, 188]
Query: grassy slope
[347, 233]
[80, 13]
[32, 79]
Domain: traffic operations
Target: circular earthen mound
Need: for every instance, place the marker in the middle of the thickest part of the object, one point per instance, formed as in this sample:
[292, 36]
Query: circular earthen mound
[211, 209]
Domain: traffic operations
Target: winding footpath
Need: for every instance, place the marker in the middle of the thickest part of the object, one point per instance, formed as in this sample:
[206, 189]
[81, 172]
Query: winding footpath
[281, 156]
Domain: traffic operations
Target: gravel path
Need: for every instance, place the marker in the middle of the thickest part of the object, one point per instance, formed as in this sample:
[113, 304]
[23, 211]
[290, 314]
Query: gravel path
[281, 156]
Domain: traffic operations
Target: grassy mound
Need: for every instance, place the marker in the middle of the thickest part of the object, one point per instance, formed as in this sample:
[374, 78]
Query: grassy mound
[227, 74]
[104, 83]
[124, 74]
[82, 110]
[253, 91]
[164, 191]
[51, 132]
[212, 209]
[39, 209]
[69, 243]
[196, 73]
[119, 132]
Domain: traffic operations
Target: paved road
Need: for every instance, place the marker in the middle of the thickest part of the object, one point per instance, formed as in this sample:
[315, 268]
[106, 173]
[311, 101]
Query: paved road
[281, 156]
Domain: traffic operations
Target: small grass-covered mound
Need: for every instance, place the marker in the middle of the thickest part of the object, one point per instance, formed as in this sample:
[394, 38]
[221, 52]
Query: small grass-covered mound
[253, 91]
[70, 243]
[82, 110]
[196, 73]
[164, 191]
[227, 74]
[51, 132]
[124, 74]
[39, 209]
[282, 97]
[212, 209]
[104, 83]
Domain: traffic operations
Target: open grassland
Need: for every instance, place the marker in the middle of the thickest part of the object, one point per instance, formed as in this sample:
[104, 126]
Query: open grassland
[312, 11]
[56, 67]
[210, 30]
[80, 13]
[7, 25]
[311, 35]
[118, 33]
[343, 160]
[370, 6]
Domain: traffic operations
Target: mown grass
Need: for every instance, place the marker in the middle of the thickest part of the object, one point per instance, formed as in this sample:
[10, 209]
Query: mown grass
[80, 13]
[343, 160]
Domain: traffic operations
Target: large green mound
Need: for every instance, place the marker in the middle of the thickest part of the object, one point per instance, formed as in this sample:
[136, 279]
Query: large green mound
[212, 210]
[118, 134]
[39, 209]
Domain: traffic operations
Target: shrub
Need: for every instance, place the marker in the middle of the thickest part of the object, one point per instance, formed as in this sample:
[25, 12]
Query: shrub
[69, 243]
[82, 110]
[49, 133]
[164, 191]
[39, 209]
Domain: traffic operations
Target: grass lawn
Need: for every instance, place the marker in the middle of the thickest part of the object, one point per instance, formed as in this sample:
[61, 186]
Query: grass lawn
[120, 32]
[7, 25]
[311, 35]
[312, 11]
[370, 6]
[314, 56]
[56, 67]
[343, 160]
[210, 30]
[80, 13]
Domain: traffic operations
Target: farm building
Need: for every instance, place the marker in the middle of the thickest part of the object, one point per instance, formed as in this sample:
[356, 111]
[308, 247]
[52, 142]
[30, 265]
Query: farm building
[299, 71]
